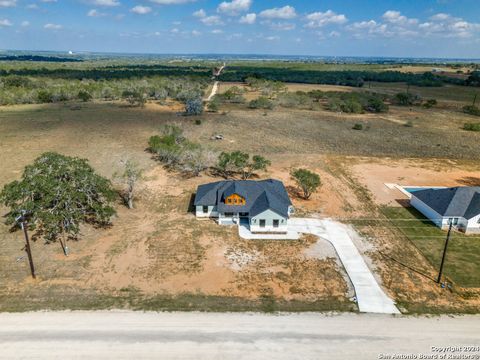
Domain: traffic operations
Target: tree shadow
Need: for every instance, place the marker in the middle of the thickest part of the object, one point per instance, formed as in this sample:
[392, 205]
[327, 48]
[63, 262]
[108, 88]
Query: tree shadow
[470, 181]
[294, 192]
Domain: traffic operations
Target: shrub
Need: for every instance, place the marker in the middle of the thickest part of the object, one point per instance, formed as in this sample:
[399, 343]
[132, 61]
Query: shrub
[430, 103]
[194, 106]
[84, 95]
[471, 126]
[212, 106]
[357, 126]
[261, 103]
[406, 99]
[44, 96]
[471, 110]
[198, 122]
[376, 105]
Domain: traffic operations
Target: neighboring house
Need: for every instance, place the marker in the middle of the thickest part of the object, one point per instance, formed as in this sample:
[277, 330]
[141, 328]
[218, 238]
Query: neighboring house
[264, 204]
[460, 205]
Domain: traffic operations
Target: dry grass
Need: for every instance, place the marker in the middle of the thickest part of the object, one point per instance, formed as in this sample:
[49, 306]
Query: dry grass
[158, 252]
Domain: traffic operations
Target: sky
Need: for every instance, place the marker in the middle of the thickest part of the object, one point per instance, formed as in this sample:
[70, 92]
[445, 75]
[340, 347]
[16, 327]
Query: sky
[389, 28]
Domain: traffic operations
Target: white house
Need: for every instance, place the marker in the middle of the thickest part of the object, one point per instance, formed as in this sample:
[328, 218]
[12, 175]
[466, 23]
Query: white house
[264, 204]
[459, 205]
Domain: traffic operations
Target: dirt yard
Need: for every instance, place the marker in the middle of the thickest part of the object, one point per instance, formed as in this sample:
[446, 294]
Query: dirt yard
[160, 249]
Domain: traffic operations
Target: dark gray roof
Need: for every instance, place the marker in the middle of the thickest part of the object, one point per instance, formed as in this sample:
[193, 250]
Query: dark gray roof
[259, 196]
[463, 201]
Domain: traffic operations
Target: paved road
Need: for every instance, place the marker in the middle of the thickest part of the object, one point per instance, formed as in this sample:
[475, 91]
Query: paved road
[137, 335]
[370, 296]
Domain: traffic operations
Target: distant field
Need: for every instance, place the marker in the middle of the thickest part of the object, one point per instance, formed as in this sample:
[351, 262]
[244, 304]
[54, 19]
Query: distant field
[451, 93]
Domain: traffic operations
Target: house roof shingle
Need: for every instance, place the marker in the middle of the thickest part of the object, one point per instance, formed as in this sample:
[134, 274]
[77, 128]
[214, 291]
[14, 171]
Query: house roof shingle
[463, 201]
[259, 196]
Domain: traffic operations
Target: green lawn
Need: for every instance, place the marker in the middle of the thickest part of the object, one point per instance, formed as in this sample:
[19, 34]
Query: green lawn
[462, 264]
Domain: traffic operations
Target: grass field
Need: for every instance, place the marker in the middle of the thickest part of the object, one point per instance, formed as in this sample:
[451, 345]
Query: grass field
[463, 257]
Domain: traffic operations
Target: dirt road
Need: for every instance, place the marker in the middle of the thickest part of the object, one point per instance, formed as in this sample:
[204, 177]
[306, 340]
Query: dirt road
[137, 335]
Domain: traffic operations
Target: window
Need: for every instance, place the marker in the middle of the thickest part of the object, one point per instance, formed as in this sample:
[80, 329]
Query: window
[228, 214]
[262, 223]
[205, 209]
[454, 221]
[275, 223]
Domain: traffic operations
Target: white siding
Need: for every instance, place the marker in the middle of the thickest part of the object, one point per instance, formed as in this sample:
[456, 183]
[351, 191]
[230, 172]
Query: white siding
[473, 226]
[268, 216]
[212, 212]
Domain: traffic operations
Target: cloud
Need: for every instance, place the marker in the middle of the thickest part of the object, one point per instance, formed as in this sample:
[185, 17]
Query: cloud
[445, 25]
[217, 31]
[286, 12]
[106, 3]
[171, 2]
[320, 19]
[8, 3]
[95, 13]
[248, 19]
[283, 26]
[272, 38]
[141, 10]
[212, 20]
[25, 23]
[395, 17]
[175, 31]
[196, 33]
[234, 7]
[51, 26]
[32, 6]
[48, 1]
[200, 13]
[5, 23]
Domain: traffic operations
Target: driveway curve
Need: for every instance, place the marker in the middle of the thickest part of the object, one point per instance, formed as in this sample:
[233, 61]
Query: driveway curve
[370, 296]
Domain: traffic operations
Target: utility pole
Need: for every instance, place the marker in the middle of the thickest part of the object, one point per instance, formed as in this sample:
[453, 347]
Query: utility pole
[23, 225]
[445, 251]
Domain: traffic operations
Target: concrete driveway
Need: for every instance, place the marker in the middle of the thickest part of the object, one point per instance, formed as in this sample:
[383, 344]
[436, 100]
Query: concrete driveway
[369, 294]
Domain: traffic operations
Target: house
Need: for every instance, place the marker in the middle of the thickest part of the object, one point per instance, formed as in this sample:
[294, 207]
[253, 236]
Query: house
[263, 205]
[459, 205]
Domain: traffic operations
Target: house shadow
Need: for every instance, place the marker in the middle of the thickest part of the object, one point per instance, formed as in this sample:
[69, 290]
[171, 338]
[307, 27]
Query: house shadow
[470, 181]
[405, 203]
[190, 205]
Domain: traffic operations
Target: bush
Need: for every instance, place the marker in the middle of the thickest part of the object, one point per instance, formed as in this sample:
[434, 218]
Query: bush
[471, 110]
[198, 122]
[357, 126]
[261, 103]
[194, 106]
[44, 96]
[471, 126]
[212, 106]
[376, 105]
[406, 99]
[84, 95]
[430, 103]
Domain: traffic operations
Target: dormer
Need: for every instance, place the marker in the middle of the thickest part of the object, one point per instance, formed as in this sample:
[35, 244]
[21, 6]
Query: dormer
[235, 199]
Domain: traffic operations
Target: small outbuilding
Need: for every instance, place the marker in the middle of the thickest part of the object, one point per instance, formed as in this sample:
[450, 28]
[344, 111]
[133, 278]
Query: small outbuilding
[458, 205]
[263, 205]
